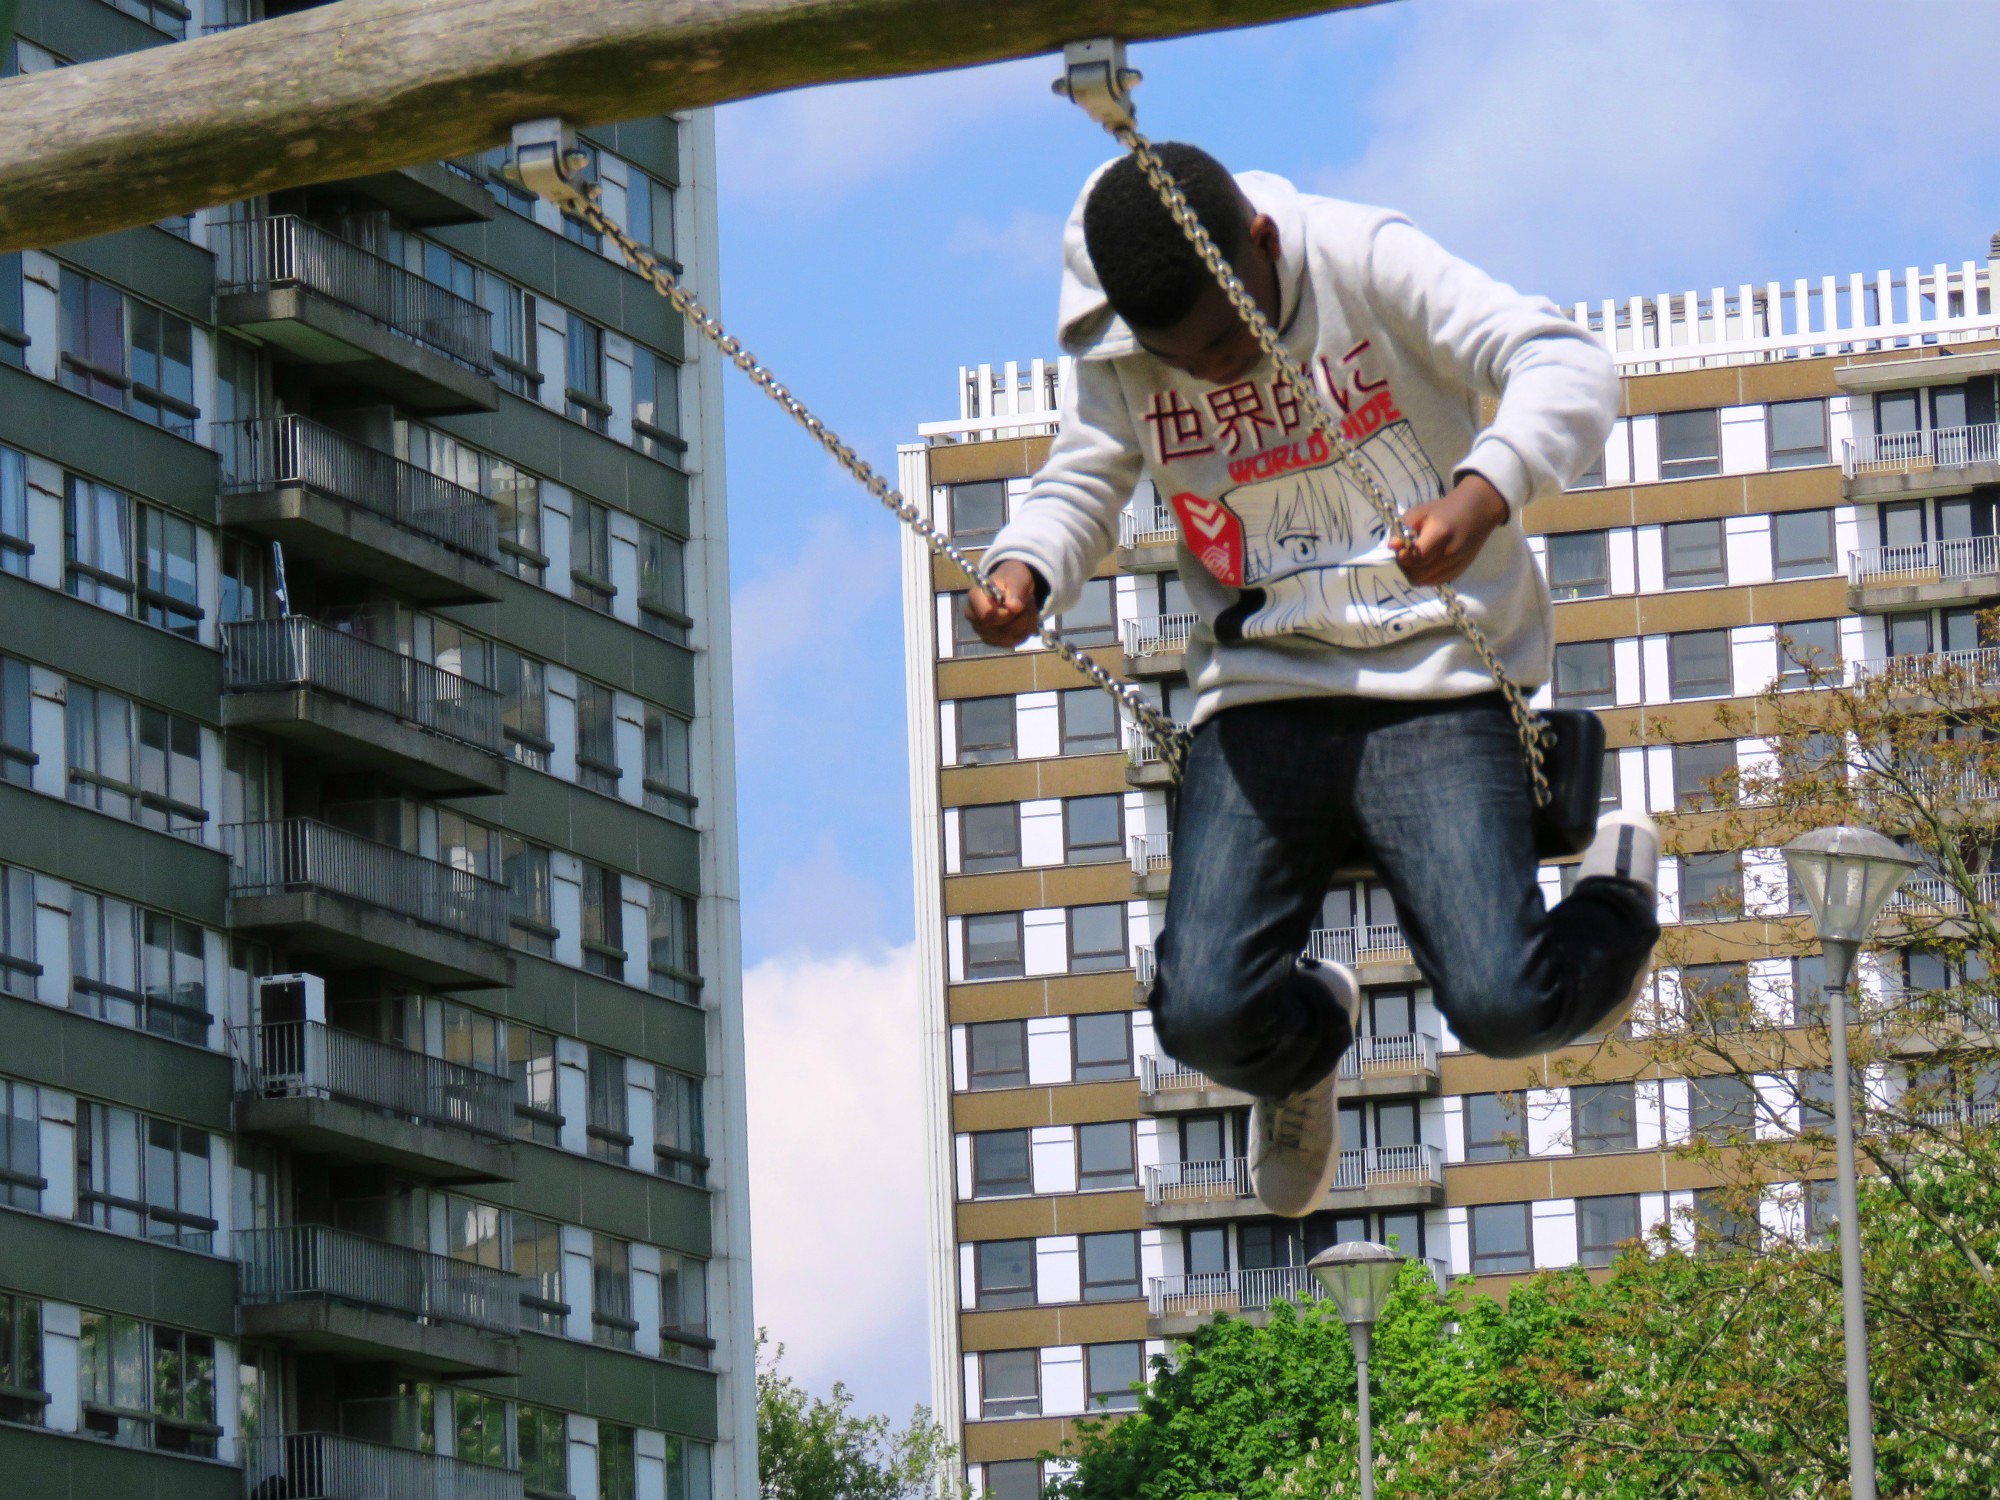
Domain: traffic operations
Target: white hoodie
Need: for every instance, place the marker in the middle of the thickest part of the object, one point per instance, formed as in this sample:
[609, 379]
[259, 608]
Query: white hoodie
[1280, 552]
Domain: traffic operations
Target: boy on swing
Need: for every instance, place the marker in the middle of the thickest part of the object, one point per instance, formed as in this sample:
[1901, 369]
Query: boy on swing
[1336, 707]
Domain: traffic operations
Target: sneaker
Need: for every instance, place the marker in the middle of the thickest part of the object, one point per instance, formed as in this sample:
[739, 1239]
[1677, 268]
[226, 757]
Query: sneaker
[1627, 847]
[1295, 1141]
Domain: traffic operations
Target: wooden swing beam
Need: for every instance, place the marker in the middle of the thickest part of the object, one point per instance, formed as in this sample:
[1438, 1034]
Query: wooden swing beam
[363, 86]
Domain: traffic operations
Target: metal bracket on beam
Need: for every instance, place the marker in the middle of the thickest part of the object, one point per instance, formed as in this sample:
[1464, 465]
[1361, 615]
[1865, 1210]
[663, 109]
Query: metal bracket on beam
[547, 161]
[1095, 77]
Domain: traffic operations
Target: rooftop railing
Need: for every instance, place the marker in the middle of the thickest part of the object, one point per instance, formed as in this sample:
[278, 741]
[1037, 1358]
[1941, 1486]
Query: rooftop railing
[297, 1262]
[310, 1060]
[266, 655]
[260, 255]
[326, 1466]
[275, 452]
[1919, 452]
[1157, 635]
[1924, 562]
[298, 854]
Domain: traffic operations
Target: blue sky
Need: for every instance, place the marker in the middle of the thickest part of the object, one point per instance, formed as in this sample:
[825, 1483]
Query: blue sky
[877, 236]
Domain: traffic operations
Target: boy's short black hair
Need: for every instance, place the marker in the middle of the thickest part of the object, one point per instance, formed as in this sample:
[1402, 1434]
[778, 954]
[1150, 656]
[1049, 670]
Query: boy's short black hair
[1150, 273]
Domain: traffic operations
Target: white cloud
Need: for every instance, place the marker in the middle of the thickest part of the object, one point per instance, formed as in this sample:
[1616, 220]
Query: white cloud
[1028, 244]
[837, 1187]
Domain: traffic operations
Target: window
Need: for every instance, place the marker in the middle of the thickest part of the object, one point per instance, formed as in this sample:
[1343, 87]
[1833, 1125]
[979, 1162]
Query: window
[1698, 664]
[531, 1064]
[1798, 433]
[479, 1424]
[21, 1180]
[1690, 444]
[673, 957]
[985, 730]
[1500, 1238]
[1104, 1156]
[15, 548]
[590, 555]
[990, 837]
[1103, 1046]
[1720, 1222]
[669, 779]
[1583, 674]
[1802, 543]
[130, 557]
[1908, 634]
[1815, 1096]
[1808, 648]
[515, 355]
[608, 1129]
[1694, 555]
[597, 737]
[542, 1448]
[128, 354]
[525, 868]
[583, 373]
[649, 209]
[1578, 567]
[1604, 1117]
[617, 1446]
[978, 511]
[1110, 1266]
[1015, 1479]
[17, 756]
[134, 761]
[1820, 1201]
[998, 1052]
[1808, 981]
[1089, 721]
[246, 580]
[663, 608]
[1715, 995]
[137, 968]
[1603, 1224]
[1093, 829]
[603, 921]
[1721, 1107]
[993, 945]
[148, 1387]
[1495, 1126]
[18, 969]
[684, 1309]
[535, 1256]
[1000, 1164]
[680, 1137]
[1097, 938]
[521, 682]
[656, 404]
[1010, 1383]
[141, 1176]
[1698, 769]
[1711, 886]
[611, 1320]
[1003, 1274]
[1093, 619]
[21, 1395]
[1113, 1371]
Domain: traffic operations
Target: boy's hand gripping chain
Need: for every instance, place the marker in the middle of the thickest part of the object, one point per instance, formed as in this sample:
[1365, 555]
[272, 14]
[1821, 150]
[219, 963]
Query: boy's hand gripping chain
[546, 158]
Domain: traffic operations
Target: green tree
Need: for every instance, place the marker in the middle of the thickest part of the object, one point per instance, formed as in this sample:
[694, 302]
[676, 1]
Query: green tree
[813, 1448]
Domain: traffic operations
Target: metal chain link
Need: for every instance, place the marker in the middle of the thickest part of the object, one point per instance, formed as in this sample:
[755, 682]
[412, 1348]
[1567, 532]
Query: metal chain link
[1167, 736]
[1527, 724]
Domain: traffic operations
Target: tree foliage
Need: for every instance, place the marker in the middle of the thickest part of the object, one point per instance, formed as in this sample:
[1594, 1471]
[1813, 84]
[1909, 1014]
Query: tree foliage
[814, 1448]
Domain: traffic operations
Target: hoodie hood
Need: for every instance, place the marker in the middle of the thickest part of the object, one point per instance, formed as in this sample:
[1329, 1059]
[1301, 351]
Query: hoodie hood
[1085, 324]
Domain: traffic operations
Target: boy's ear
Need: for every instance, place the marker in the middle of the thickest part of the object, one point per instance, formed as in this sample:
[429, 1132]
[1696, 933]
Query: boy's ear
[1264, 235]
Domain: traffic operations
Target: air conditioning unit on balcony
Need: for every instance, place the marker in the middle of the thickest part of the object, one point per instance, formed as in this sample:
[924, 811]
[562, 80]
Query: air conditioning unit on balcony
[291, 997]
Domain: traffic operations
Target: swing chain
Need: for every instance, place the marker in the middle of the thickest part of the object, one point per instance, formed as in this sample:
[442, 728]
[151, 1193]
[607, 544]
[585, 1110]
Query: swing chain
[1527, 724]
[548, 164]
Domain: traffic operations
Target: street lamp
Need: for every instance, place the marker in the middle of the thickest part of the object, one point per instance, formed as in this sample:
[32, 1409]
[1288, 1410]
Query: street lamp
[1847, 876]
[1359, 1277]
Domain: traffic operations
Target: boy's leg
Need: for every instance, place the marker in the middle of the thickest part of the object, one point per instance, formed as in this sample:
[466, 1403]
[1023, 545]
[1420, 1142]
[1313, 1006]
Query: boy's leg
[1442, 799]
[1260, 827]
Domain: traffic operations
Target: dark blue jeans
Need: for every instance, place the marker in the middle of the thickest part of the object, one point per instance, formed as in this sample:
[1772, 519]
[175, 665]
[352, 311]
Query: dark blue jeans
[1277, 796]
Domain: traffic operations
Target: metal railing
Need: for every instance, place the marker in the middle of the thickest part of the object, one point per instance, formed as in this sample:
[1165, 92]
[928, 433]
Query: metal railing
[1229, 1177]
[1924, 562]
[1158, 1075]
[295, 1262]
[1151, 853]
[311, 1060]
[1379, 1056]
[1380, 943]
[1157, 635]
[1399, 1166]
[258, 255]
[275, 452]
[326, 1466]
[264, 655]
[298, 854]
[1143, 962]
[1206, 1292]
[1980, 667]
[1933, 895]
[1908, 452]
[1198, 1181]
[1148, 527]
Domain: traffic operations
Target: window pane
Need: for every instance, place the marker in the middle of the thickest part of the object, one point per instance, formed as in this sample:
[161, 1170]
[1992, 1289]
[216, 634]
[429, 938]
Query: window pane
[1604, 1118]
[1110, 1266]
[1603, 1224]
[1104, 1155]
[1583, 674]
[978, 511]
[1717, 995]
[1578, 567]
[1015, 1479]
[1798, 433]
[993, 945]
[1093, 829]
[1690, 444]
[1000, 1164]
[1114, 1369]
[1802, 543]
[1494, 1128]
[1697, 767]
[1096, 938]
[1809, 647]
[1004, 1272]
[1500, 1239]
[999, 1054]
[1093, 620]
[990, 837]
[1694, 554]
[985, 730]
[1103, 1046]
[1698, 664]
[1089, 721]
[1721, 1107]
[1010, 1382]
[1711, 886]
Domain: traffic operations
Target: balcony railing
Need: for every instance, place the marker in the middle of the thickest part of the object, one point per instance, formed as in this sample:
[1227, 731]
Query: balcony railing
[266, 655]
[1369, 1057]
[1157, 635]
[1980, 667]
[1198, 1181]
[277, 452]
[1201, 1294]
[1147, 527]
[1159, 1075]
[1151, 853]
[261, 255]
[299, 854]
[309, 1060]
[296, 1262]
[1382, 942]
[325, 1466]
[1924, 562]
[1229, 1178]
[1916, 452]
[1143, 962]
[1932, 895]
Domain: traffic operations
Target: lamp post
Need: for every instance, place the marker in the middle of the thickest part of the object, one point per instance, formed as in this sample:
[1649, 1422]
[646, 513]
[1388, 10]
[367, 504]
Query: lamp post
[1359, 1277]
[1847, 876]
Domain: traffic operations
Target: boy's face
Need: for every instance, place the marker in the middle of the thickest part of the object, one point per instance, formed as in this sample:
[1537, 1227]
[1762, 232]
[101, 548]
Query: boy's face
[1212, 343]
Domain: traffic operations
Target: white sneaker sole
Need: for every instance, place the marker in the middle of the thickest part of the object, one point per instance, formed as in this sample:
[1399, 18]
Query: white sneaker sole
[1296, 1204]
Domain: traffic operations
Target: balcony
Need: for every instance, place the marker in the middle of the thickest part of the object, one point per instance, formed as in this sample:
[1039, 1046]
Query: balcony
[1143, 766]
[1906, 465]
[343, 901]
[1923, 671]
[1882, 579]
[1148, 540]
[1357, 947]
[1177, 1305]
[1157, 645]
[348, 702]
[326, 1466]
[1374, 1067]
[431, 192]
[329, 1289]
[349, 318]
[354, 1097]
[1376, 1177]
[1152, 863]
[358, 511]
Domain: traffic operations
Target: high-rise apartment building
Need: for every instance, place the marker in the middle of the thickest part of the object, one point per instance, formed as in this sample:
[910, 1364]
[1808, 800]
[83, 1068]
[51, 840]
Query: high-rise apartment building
[1815, 459]
[371, 1107]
